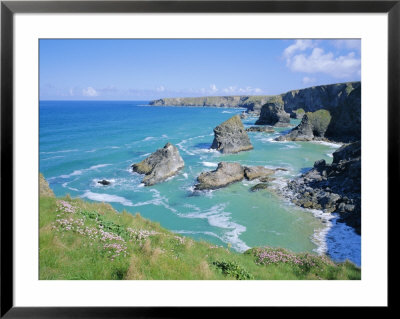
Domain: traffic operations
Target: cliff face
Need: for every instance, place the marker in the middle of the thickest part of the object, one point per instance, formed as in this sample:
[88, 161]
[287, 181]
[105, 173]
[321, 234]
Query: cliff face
[251, 103]
[345, 125]
[319, 97]
[309, 99]
[340, 123]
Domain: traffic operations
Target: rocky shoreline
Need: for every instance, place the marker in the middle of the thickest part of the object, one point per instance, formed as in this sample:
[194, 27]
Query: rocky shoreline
[330, 113]
[295, 101]
[332, 187]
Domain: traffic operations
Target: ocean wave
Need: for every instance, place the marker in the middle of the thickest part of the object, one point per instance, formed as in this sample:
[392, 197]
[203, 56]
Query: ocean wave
[53, 157]
[191, 232]
[107, 198]
[65, 185]
[218, 217]
[149, 138]
[63, 151]
[209, 164]
[157, 200]
[292, 146]
[330, 144]
[80, 171]
[183, 148]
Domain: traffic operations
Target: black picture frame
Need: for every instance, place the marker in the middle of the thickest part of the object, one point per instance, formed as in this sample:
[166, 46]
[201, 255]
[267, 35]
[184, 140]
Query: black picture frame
[9, 8]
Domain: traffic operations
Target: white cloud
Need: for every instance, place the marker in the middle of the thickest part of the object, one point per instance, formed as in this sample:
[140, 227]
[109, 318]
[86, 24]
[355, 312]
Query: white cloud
[90, 92]
[160, 89]
[242, 91]
[347, 44]
[299, 45]
[213, 88]
[307, 80]
[318, 61]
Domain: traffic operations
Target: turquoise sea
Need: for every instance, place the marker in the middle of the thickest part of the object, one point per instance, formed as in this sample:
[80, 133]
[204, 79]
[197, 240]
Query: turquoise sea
[82, 142]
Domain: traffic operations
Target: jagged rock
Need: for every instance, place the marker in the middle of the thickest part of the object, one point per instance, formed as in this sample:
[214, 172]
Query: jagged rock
[312, 126]
[320, 163]
[273, 113]
[231, 137]
[163, 163]
[332, 187]
[253, 172]
[265, 129]
[259, 187]
[104, 182]
[44, 188]
[225, 174]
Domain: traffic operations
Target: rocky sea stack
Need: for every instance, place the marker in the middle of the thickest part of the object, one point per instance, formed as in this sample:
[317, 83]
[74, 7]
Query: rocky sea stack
[163, 163]
[273, 113]
[332, 187]
[341, 123]
[231, 137]
[312, 127]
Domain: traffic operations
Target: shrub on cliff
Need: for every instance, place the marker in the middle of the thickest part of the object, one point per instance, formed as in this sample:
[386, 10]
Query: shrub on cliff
[319, 121]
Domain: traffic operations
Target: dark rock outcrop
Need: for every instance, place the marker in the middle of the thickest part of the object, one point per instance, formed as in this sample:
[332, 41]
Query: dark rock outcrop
[345, 125]
[104, 182]
[231, 137]
[261, 128]
[332, 187]
[258, 187]
[273, 113]
[223, 175]
[312, 127]
[163, 163]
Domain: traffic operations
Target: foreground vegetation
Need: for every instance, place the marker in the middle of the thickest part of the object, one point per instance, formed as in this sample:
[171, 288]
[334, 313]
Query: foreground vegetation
[82, 240]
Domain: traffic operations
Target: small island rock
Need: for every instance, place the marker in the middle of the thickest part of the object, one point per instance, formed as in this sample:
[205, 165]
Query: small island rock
[273, 113]
[231, 137]
[225, 174]
[163, 163]
[259, 187]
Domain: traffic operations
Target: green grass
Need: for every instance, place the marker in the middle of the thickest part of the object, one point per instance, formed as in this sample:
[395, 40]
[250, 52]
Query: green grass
[82, 240]
[320, 121]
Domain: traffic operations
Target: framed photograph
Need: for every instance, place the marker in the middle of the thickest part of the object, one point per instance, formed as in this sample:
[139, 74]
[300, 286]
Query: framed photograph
[164, 155]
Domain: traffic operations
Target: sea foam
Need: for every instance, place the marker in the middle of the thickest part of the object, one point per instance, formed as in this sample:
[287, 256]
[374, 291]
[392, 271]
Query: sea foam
[218, 217]
[107, 198]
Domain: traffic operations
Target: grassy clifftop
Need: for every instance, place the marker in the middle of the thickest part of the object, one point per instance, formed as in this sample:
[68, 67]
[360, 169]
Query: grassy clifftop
[82, 240]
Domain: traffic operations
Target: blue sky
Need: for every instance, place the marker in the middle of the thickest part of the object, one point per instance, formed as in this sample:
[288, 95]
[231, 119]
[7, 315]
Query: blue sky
[150, 69]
